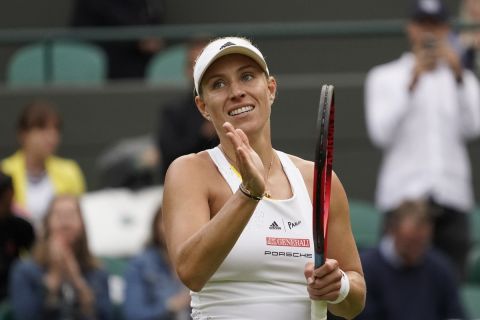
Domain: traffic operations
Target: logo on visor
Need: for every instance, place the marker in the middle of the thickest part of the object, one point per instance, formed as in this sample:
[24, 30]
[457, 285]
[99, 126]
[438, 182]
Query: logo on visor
[228, 44]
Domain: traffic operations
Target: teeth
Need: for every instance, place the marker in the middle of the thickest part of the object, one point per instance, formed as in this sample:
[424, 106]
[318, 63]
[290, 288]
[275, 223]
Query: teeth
[240, 110]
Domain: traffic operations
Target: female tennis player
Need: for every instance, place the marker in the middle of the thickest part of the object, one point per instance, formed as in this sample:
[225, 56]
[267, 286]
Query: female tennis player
[238, 217]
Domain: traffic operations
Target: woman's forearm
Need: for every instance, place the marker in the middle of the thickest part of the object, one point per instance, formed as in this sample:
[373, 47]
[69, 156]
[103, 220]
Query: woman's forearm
[201, 255]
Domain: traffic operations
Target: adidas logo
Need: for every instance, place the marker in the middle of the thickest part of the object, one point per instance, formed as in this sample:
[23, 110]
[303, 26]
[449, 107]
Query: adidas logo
[274, 226]
[228, 44]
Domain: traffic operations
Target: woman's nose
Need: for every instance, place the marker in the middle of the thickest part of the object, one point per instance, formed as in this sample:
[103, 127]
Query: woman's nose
[236, 91]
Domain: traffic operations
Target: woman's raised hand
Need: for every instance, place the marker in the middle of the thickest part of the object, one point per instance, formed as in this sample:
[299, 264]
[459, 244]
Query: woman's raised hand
[247, 160]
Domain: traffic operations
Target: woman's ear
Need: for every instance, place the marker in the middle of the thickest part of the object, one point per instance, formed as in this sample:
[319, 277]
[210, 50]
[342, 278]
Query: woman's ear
[272, 87]
[201, 106]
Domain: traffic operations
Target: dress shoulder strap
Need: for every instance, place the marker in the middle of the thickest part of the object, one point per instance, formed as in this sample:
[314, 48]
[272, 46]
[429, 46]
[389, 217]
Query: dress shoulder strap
[228, 172]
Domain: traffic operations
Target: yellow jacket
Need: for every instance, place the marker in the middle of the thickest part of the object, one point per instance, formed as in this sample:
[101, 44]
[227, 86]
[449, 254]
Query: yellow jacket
[66, 175]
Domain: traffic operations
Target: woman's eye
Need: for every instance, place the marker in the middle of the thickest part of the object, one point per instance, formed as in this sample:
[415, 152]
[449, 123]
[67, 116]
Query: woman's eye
[247, 77]
[218, 84]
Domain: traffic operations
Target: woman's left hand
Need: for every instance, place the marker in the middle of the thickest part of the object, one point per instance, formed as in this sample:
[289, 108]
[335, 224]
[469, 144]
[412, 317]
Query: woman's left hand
[74, 274]
[72, 269]
[453, 60]
[324, 282]
[248, 161]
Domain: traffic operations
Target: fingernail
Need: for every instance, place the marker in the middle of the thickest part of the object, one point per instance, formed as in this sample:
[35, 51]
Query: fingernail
[310, 280]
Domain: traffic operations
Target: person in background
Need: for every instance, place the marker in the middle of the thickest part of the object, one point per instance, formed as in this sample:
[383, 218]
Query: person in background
[37, 173]
[406, 278]
[152, 289]
[421, 110]
[62, 280]
[16, 234]
[126, 59]
[182, 131]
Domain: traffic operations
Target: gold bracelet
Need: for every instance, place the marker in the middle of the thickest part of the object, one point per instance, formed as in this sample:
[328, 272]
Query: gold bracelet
[247, 192]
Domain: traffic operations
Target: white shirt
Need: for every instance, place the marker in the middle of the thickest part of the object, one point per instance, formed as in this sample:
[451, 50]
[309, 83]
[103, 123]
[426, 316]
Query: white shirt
[423, 133]
[40, 192]
[263, 275]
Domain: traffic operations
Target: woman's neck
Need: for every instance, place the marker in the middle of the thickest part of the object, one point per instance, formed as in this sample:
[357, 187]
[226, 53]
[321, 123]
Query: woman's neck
[261, 144]
[35, 165]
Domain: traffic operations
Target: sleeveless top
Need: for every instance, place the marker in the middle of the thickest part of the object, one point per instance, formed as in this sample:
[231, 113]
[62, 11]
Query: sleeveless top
[263, 275]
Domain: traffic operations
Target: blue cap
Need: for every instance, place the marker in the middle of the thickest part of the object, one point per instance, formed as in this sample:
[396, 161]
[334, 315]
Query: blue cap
[429, 10]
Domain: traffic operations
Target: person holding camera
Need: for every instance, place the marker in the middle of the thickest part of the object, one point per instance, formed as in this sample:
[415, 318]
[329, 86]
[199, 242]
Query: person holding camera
[421, 110]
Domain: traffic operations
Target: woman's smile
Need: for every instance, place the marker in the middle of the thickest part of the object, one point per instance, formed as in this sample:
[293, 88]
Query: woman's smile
[241, 110]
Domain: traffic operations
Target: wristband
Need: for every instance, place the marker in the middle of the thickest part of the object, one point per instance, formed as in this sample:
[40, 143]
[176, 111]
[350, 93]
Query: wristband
[344, 289]
[247, 192]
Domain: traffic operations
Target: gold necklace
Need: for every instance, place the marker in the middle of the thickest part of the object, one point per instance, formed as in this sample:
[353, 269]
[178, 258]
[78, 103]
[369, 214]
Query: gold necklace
[266, 193]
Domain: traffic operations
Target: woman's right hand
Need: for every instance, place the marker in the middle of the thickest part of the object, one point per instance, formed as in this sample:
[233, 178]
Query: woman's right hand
[248, 161]
[54, 276]
[62, 261]
[55, 254]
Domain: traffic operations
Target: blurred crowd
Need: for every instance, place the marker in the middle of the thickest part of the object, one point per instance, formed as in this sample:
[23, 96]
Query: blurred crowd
[422, 110]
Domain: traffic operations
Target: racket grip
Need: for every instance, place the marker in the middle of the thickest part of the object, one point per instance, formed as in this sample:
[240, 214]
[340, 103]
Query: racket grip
[319, 260]
[318, 310]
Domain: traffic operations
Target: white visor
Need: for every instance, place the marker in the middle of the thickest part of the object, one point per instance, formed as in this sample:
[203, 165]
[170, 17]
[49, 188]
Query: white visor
[221, 47]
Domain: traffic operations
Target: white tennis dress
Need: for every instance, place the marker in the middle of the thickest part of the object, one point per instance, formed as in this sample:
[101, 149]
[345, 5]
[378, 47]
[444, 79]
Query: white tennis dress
[263, 275]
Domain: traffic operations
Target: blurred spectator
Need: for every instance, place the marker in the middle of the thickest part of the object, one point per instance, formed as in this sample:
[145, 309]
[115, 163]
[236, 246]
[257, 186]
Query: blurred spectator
[421, 110]
[470, 39]
[16, 234]
[406, 278]
[127, 59]
[62, 280]
[152, 289]
[37, 174]
[182, 131]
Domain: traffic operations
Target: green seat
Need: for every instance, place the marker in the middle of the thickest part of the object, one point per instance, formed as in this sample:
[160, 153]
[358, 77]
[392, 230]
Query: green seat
[57, 63]
[6, 312]
[471, 300]
[475, 225]
[115, 267]
[365, 220]
[473, 266]
[168, 66]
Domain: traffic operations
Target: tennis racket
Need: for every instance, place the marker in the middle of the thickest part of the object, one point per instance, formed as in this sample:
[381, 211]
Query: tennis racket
[322, 181]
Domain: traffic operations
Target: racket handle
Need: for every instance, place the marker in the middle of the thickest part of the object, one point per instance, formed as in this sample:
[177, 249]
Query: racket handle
[318, 310]
[319, 260]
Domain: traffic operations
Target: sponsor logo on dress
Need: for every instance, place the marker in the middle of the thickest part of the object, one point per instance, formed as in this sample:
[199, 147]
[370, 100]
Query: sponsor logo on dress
[292, 225]
[288, 254]
[274, 226]
[288, 242]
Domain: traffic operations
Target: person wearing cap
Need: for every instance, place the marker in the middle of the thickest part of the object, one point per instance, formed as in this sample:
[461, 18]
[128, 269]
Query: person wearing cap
[421, 110]
[238, 217]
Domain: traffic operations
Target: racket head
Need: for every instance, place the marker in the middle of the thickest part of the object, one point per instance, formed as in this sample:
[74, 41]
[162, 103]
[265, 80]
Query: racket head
[323, 172]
